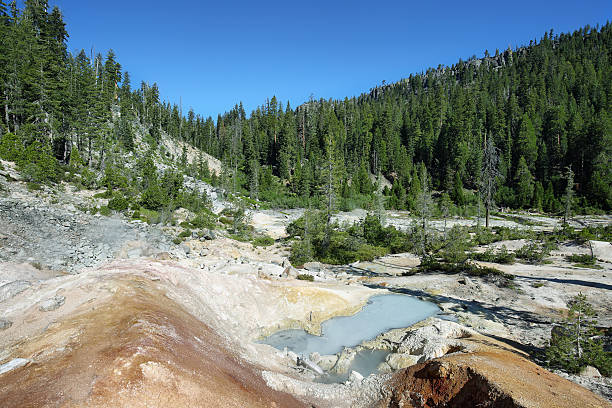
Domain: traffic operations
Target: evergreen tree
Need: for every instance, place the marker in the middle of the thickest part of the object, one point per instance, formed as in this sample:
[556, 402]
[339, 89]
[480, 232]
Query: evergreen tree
[524, 184]
[577, 343]
[527, 143]
[569, 192]
[488, 178]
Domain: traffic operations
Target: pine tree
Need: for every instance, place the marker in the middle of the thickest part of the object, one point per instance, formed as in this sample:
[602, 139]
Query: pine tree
[488, 177]
[524, 184]
[527, 143]
[424, 208]
[569, 192]
[458, 195]
[576, 344]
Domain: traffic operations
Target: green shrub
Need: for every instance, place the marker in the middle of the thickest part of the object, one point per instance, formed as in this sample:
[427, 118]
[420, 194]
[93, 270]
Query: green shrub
[104, 210]
[225, 220]
[104, 194]
[177, 240]
[455, 245]
[118, 203]
[113, 178]
[11, 147]
[430, 264]
[136, 214]
[185, 234]
[33, 186]
[39, 165]
[301, 252]
[263, 241]
[305, 277]
[205, 219]
[369, 252]
[501, 256]
[534, 252]
[577, 342]
[582, 259]
[153, 197]
[150, 216]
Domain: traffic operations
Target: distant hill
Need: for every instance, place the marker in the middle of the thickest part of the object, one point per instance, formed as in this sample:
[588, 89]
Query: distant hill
[546, 106]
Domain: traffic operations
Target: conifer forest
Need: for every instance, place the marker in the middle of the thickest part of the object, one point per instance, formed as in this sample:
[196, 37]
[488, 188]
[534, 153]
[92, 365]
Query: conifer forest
[516, 121]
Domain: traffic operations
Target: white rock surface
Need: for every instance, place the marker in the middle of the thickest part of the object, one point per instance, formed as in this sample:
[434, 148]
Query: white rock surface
[13, 364]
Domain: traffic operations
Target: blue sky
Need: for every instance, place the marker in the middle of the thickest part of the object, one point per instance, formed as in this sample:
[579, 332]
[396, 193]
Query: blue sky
[215, 54]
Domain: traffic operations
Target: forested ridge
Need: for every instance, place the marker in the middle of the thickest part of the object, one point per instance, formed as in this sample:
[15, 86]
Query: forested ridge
[546, 106]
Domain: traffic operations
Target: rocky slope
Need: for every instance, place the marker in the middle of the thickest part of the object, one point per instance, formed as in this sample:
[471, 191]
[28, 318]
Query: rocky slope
[104, 312]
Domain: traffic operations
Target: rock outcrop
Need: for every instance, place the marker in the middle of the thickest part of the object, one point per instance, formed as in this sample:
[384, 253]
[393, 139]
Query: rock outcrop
[491, 377]
[134, 348]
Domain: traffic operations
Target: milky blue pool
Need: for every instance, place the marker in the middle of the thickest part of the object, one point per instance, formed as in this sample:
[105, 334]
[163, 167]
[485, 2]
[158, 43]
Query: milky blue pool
[380, 314]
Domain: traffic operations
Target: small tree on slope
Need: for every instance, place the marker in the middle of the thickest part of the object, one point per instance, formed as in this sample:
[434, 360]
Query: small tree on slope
[577, 342]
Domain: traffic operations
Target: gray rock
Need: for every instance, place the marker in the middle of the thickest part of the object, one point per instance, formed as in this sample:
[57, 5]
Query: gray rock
[384, 368]
[327, 362]
[186, 249]
[12, 289]
[134, 253]
[355, 377]
[13, 364]
[52, 303]
[290, 272]
[5, 324]
[344, 361]
[398, 361]
[304, 362]
[208, 234]
[590, 372]
[313, 266]
[315, 357]
[294, 357]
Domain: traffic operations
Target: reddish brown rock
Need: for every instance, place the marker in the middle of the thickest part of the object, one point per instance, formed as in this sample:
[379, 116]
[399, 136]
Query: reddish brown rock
[136, 349]
[492, 378]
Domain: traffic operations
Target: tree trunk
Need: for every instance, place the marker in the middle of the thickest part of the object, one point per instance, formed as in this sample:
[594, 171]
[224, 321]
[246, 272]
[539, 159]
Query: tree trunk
[6, 110]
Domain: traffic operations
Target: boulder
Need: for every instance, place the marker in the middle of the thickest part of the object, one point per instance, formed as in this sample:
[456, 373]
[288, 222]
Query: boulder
[435, 340]
[327, 362]
[344, 361]
[290, 272]
[313, 266]
[397, 361]
[5, 324]
[590, 372]
[384, 368]
[52, 303]
[12, 289]
[315, 357]
[355, 377]
[306, 363]
[271, 270]
[208, 234]
[294, 357]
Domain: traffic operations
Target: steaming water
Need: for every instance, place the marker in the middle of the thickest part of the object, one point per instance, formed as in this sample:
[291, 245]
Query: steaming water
[380, 314]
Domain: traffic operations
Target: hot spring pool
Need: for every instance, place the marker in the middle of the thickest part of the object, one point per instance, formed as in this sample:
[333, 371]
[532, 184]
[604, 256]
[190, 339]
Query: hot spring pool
[380, 314]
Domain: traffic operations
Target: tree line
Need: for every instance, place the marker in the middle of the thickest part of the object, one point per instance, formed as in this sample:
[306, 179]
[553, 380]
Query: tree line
[504, 128]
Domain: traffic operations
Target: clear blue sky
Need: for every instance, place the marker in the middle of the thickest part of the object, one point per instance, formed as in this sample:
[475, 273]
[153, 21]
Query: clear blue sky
[215, 54]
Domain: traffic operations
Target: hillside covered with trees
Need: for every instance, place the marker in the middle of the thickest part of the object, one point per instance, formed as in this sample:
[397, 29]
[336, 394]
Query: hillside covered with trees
[547, 107]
